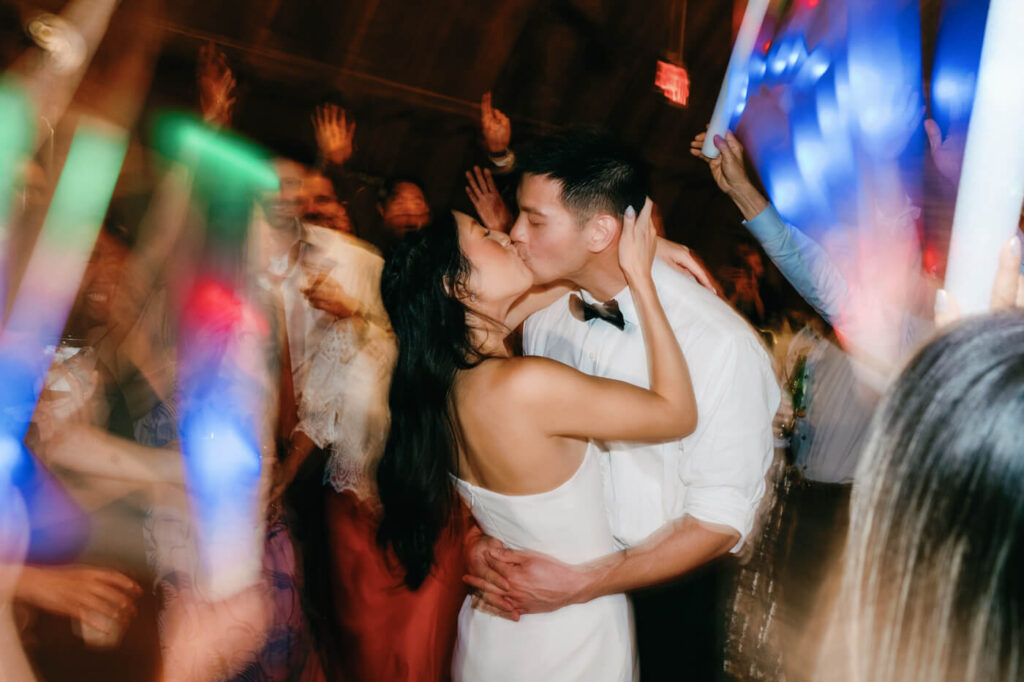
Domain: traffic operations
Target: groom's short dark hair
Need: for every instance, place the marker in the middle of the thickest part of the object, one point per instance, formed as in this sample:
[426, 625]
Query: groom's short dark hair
[596, 171]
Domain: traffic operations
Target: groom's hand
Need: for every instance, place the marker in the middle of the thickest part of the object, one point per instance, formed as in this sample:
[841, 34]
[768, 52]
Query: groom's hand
[536, 583]
[491, 588]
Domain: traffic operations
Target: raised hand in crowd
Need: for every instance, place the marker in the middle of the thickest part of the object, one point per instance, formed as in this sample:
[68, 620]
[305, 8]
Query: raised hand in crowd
[947, 154]
[497, 132]
[216, 86]
[730, 174]
[491, 208]
[335, 134]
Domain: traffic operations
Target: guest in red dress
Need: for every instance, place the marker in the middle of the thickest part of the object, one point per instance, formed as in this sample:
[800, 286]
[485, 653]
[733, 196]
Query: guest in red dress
[385, 630]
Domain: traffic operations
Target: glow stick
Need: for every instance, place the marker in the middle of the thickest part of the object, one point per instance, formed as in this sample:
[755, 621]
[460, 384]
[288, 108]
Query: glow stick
[56, 268]
[735, 75]
[992, 180]
[222, 403]
[17, 134]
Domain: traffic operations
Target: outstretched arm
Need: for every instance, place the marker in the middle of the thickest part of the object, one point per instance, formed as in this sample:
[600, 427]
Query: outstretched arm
[800, 259]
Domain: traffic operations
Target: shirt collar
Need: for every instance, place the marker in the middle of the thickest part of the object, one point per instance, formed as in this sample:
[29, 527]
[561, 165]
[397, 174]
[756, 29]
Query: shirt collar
[625, 298]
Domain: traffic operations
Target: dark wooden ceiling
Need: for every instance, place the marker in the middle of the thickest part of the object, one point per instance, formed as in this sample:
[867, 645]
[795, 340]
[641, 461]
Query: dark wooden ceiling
[412, 72]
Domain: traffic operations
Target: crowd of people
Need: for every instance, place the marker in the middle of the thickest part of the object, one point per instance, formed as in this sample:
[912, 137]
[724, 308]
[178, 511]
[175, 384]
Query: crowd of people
[540, 442]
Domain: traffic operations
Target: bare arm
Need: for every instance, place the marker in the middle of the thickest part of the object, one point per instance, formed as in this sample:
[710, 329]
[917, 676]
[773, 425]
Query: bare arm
[527, 582]
[535, 299]
[566, 402]
[679, 548]
[299, 450]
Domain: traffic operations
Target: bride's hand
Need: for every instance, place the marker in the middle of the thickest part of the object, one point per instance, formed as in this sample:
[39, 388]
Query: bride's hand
[638, 243]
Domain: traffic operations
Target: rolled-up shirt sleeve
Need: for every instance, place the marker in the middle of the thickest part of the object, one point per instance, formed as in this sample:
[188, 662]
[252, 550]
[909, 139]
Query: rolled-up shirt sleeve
[723, 470]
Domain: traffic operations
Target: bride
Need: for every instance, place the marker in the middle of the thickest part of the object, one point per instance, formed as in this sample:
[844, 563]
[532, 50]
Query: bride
[512, 436]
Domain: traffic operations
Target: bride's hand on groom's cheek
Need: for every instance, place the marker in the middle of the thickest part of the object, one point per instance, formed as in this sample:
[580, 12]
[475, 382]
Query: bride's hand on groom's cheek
[536, 583]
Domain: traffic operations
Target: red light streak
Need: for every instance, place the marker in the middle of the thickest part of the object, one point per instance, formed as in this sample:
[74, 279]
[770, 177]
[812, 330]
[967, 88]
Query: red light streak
[673, 81]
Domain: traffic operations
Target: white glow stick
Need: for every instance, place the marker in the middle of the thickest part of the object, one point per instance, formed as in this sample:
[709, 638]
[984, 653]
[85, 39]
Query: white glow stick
[991, 190]
[738, 69]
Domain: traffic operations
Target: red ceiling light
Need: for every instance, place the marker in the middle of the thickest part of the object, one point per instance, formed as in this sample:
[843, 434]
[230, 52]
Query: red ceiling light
[671, 77]
[673, 81]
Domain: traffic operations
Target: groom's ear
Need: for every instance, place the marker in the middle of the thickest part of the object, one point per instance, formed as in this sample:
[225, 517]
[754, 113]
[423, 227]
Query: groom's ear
[603, 231]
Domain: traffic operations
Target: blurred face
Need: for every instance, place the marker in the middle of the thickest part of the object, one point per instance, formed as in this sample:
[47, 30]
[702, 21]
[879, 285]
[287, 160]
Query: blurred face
[498, 273]
[754, 262]
[321, 206]
[285, 206]
[406, 209]
[547, 234]
[99, 283]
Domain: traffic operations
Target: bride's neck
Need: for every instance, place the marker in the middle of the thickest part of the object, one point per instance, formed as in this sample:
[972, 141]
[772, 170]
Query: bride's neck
[491, 341]
[488, 335]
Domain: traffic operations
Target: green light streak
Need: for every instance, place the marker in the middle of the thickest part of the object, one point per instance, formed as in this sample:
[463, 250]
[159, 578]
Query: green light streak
[229, 172]
[218, 158]
[85, 186]
[17, 132]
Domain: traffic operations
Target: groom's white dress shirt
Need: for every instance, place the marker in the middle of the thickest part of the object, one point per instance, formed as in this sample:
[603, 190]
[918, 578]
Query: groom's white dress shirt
[716, 474]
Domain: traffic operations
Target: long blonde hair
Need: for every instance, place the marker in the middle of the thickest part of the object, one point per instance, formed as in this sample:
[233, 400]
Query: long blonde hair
[933, 576]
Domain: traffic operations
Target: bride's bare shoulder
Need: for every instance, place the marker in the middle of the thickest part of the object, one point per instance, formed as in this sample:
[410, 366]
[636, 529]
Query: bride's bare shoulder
[525, 378]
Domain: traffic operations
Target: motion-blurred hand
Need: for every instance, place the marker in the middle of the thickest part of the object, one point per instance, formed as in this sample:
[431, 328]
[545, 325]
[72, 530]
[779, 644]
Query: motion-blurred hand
[1007, 291]
[335, 133]
[98, 597]
[496, 128]
[216, 86]
[948, 154]
[491, 208]
[328, 295]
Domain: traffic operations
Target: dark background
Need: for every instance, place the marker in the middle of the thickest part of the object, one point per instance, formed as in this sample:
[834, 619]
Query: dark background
[412, 72]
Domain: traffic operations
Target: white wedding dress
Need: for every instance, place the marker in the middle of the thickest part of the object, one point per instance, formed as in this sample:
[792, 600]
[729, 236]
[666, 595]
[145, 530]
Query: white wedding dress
[590, 642]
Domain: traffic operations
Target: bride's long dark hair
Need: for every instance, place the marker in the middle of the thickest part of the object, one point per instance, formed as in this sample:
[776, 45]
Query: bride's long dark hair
[420, 286]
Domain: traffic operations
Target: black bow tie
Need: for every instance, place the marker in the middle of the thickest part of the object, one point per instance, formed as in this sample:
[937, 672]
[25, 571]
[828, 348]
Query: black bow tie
[609, 312]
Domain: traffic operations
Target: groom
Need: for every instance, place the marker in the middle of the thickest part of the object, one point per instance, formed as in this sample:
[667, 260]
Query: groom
[674, 507]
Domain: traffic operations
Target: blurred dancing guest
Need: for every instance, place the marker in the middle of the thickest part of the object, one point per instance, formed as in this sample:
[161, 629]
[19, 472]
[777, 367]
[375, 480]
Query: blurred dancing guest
[673, 507]
[343, 413]
[532, 478]
[931, 586]
[403, 208]
[322, 206]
